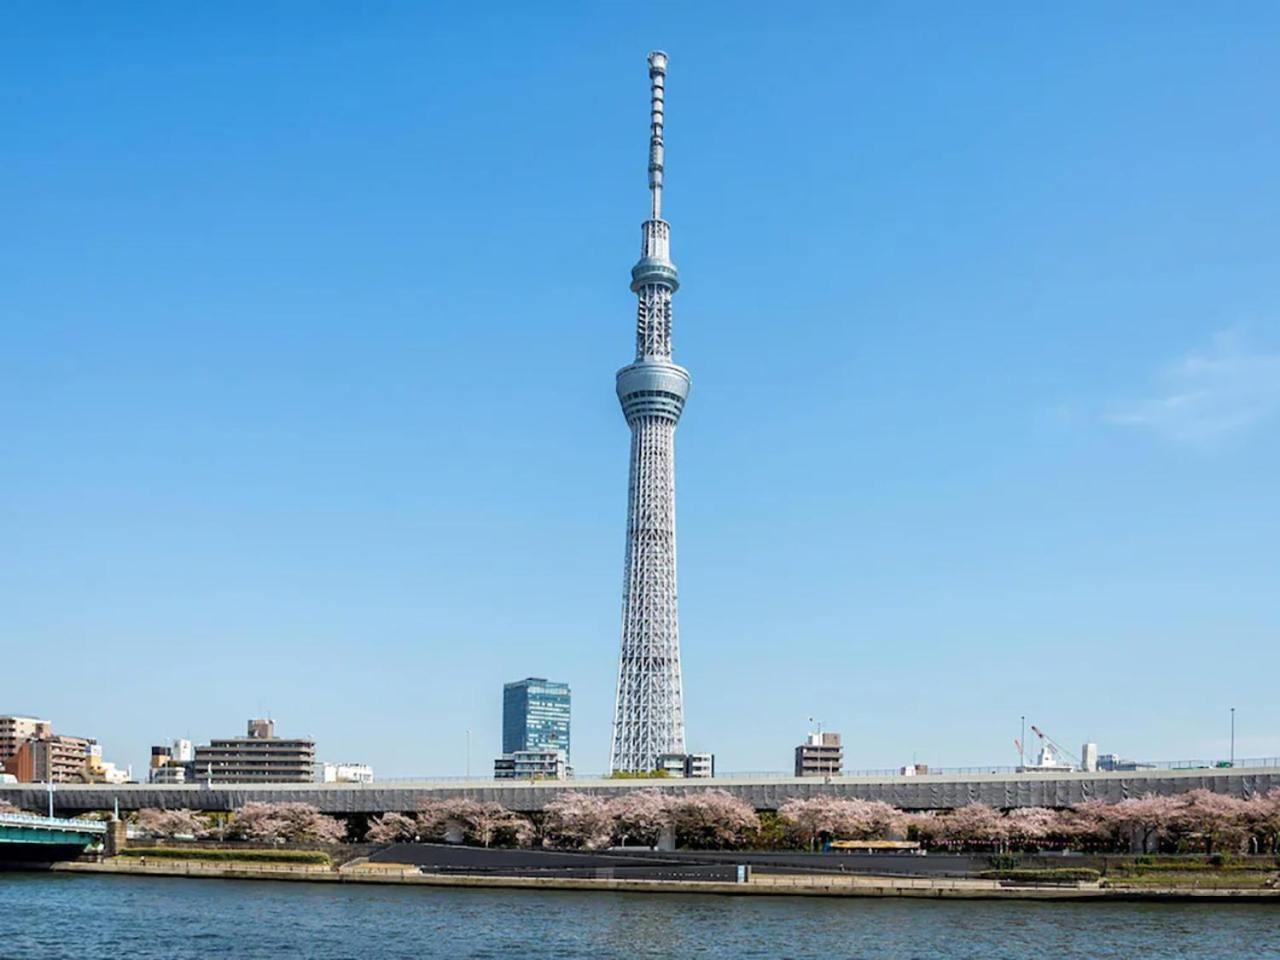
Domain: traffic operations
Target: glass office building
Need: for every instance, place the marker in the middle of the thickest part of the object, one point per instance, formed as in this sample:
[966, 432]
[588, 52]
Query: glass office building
[535, 716]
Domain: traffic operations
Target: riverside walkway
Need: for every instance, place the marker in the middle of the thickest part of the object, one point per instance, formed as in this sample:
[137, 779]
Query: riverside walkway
[773, 886]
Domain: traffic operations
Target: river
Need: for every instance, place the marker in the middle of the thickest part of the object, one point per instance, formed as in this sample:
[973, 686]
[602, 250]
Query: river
[140, 918]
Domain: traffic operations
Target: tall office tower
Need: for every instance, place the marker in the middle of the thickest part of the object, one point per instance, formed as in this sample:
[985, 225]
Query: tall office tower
[649, 712]
[535, 716]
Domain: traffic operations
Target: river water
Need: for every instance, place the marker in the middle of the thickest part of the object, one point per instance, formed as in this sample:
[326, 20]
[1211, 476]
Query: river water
[139, 918]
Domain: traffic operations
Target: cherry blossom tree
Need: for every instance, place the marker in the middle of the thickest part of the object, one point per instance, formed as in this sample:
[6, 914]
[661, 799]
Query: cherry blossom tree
[1216, 820]
[712, 819]
[1145, 820]
[393, 828]
[1090, 824]
[640, 816]
[7, 807]
[976, 825]
[924, 826]
[1032, 826]
[433, 819]
[1261, 814]
[480, 822]
[171, 823]
[286, 822]
[836, 818]
[578, 820]
[490, 822]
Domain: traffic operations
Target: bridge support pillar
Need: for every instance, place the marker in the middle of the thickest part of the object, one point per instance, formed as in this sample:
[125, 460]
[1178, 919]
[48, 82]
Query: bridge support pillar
[667, 837]
[116, 839]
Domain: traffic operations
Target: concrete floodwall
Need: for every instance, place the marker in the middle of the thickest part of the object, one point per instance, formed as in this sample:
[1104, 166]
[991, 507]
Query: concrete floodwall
[445, 859]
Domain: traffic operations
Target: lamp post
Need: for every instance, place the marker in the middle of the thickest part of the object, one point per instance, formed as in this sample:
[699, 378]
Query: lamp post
[1233, 736]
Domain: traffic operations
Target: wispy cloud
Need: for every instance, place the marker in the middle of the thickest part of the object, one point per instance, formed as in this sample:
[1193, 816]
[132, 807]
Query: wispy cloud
[1226, 389]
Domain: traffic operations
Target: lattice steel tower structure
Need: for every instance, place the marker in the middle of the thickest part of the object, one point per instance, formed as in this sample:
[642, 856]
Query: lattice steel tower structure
[649, 711]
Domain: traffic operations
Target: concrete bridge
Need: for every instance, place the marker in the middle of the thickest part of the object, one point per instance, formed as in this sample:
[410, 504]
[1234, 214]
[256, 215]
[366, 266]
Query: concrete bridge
[939, 791]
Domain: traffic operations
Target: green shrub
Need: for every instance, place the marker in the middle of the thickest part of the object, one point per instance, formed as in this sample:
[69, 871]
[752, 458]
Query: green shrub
[1004, 861]
[228, 856]
[1047, 875]
[1224, 862]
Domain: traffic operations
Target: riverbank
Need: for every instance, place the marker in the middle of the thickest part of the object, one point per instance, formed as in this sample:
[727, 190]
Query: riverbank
[772, 885]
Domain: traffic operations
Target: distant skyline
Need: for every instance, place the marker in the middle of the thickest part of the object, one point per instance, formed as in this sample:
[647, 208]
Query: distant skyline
[310, 316]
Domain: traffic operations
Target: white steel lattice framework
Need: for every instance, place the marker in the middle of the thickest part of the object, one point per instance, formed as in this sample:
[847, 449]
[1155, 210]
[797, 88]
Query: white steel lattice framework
[649, 711]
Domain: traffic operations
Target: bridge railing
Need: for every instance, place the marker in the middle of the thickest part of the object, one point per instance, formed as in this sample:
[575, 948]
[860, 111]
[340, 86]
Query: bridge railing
[52, 823]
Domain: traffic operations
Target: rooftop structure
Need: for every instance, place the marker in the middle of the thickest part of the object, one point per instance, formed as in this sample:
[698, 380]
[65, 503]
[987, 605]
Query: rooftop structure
[649, 709]
[821, 755]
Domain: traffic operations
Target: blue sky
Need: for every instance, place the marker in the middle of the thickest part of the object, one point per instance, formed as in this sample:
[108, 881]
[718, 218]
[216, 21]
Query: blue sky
[309, 316]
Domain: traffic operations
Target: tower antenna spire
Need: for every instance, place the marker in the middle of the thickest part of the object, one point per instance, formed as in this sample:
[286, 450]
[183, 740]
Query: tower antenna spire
[657, 104]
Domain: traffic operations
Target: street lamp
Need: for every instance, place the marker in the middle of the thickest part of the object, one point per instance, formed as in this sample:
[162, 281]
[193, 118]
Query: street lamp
[1233, 736]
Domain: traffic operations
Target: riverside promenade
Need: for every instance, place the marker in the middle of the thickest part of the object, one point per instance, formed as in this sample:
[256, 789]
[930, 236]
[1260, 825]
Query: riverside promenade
[771, 885]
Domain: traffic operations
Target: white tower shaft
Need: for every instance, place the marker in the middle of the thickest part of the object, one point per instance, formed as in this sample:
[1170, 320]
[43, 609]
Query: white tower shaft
[649, 711]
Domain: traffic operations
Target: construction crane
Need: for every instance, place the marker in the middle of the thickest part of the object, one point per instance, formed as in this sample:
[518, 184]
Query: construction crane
[1052, 751]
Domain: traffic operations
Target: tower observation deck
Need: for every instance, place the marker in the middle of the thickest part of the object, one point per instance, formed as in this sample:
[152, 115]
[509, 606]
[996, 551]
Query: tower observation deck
[649, 710]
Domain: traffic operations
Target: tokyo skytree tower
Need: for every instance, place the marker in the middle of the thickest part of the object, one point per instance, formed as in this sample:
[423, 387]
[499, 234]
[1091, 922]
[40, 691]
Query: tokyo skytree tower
[649, 712]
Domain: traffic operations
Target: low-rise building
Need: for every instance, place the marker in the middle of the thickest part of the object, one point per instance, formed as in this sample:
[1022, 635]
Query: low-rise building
[174, 763]
[687, 764]
[259, 757]
[1114, 762]
[344, 773]
[98, 770]
[171, 773]
[531, 765]
[821, 755]
[700, 765]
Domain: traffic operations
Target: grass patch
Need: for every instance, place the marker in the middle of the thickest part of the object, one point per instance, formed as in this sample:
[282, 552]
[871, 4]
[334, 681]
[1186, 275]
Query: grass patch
[1047, 875]
[1204, 879]
[1229, 869]
[228, 856]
